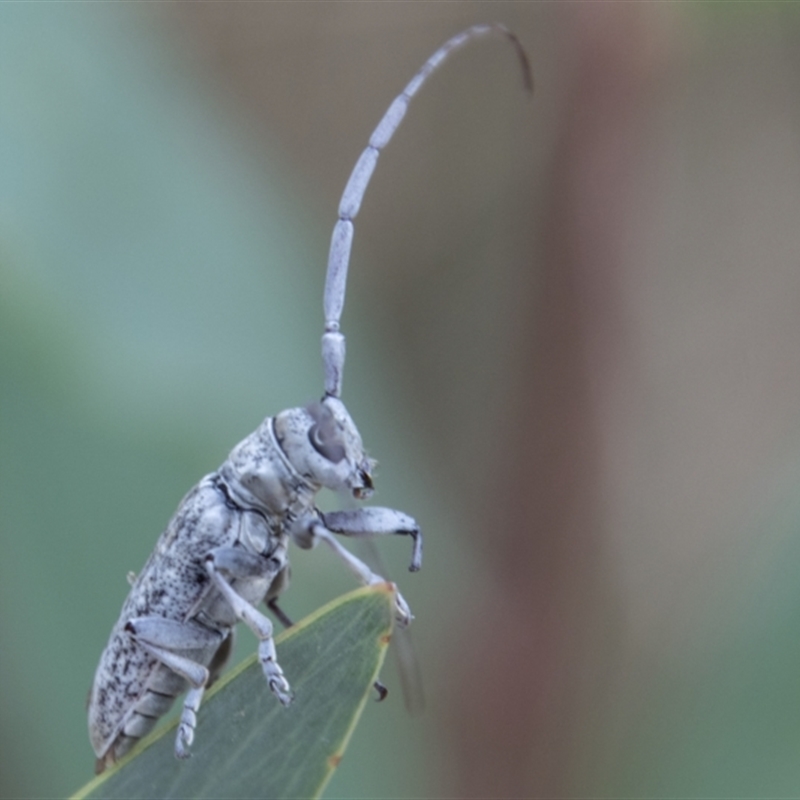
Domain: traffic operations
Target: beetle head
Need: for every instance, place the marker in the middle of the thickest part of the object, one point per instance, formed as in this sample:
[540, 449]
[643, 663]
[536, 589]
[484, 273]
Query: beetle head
[323, 444]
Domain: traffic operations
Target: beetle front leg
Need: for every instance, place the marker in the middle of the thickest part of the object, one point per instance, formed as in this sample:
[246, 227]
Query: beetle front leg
[237, 564]
[376, 521]
[360, 569]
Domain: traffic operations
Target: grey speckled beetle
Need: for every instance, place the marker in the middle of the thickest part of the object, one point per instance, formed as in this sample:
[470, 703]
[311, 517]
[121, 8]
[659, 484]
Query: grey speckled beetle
[225, 550]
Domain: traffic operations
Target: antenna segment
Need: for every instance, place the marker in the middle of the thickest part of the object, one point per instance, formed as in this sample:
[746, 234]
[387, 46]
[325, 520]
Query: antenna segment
[333, 343]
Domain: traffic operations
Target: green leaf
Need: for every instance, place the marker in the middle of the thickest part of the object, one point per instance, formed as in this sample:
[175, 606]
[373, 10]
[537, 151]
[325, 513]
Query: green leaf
[247, 744]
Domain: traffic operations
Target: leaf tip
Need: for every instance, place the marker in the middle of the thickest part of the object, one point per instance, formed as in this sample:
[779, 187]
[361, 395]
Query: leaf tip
[334, 760]
[387, 588]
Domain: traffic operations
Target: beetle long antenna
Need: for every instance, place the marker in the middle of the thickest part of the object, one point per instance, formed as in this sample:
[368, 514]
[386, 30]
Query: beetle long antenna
[333, 344]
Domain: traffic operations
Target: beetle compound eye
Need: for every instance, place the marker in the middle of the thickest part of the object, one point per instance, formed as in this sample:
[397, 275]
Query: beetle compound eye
[326, 442]
[325, 434]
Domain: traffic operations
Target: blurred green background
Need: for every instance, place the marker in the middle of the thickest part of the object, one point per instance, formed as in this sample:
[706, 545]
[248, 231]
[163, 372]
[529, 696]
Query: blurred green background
[572, 345]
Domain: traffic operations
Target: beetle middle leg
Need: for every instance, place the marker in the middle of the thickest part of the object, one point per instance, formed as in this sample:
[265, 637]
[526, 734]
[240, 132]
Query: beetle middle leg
[281, 615]
[279, 584]
[221, 658]
[285, 620]
[240, 564]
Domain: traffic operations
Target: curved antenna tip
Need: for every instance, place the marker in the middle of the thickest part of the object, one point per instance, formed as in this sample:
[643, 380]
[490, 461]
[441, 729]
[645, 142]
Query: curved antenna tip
[522, 55]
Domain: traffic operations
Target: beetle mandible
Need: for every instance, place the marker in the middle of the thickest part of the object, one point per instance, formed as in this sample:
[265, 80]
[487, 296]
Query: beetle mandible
[225, 549]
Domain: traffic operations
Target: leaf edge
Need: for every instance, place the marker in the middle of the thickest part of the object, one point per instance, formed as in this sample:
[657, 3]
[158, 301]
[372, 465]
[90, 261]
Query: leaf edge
[387, 588]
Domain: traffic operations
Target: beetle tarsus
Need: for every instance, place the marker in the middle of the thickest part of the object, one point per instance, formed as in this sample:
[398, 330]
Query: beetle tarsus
[381, 690]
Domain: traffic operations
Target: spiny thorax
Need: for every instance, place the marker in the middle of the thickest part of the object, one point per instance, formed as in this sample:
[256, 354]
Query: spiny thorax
[259, 475]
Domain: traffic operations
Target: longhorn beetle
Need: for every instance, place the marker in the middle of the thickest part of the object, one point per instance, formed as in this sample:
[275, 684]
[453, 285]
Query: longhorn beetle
[224, 551]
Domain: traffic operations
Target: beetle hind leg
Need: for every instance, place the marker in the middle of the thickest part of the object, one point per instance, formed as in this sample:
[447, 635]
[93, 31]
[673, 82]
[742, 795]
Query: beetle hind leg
[188, 723]
[168, 640]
